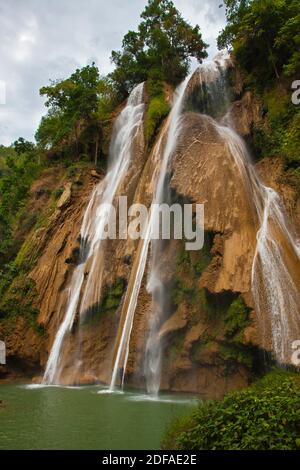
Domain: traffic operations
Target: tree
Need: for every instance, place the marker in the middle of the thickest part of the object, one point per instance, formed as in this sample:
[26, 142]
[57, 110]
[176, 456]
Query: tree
[20, 167]
[73, 106]
[261, 33]
[164, 43]
[23, 146]
[289, 38]
[235, 11]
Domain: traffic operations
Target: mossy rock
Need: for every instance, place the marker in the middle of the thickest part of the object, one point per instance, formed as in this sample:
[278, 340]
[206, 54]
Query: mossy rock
[110, 302]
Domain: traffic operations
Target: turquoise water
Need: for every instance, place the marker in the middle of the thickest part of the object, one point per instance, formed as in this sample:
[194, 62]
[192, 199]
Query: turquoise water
[83, 418]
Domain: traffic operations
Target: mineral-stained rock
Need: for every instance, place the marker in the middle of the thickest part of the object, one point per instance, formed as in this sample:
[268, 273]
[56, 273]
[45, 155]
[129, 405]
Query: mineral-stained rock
[204, 172]
[245, 113]
[176, 322]
[65, 198]
[192, 326]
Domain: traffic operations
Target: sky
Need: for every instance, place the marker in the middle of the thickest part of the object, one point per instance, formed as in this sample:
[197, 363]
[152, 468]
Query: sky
[48, 39]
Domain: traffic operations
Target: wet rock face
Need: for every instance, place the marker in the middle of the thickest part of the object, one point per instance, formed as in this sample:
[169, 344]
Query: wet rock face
[51, 244]
[209, 329]
[244, 113]
[203, 171]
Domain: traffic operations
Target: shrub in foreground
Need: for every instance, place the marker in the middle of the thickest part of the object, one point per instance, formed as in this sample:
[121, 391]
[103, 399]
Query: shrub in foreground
[264, 417]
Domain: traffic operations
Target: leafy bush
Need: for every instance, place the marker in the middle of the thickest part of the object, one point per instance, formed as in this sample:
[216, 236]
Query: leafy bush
[157, 111]
[278, 134]
[20, 171]
[264, 37]
[17, 297]
[264, 417]
[237, 317]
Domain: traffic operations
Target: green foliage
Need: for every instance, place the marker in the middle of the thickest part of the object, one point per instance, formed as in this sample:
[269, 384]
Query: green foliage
[233, 354]
[22, 146]
[113, 295]
[164, 42]
[236, 317]
[265, 36]
[189, 267]
[290, 142]
[279, 134]
[75, 96]
[264, 417]
[158, 109]
[17, 296]
[111, 300]
[77, 107]
[57, 193]
[6, 152]
[20, 171]
[226, 317]
[225, 314]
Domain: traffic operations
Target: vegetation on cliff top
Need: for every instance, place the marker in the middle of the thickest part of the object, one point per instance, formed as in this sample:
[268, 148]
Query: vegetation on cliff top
[80, 108]
[265, 37]
[163, 45]
[77, 126]
[21, 164]
[264, 417]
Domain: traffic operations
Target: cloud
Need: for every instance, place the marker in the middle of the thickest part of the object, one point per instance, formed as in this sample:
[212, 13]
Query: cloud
[42, 40]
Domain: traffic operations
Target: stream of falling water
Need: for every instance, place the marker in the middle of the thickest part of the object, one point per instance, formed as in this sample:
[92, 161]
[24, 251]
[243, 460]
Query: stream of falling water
[173, 128]
[274, 287]
[94, 222]
[210, 78]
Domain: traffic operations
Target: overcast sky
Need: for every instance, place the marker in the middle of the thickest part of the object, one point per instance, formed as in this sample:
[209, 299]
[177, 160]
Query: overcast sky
[49, 39]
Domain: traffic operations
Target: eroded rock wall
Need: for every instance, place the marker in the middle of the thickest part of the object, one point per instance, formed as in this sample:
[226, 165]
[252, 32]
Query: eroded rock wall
[209, 331]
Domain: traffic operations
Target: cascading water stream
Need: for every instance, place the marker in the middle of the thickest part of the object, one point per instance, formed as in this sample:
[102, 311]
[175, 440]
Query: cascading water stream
[275, 286]
[210, 78]
[82, 292]
[275, 289]
[173, 127]
[276, 292]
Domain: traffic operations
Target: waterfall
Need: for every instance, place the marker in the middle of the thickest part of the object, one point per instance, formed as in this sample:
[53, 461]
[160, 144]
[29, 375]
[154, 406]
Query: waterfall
[275, 292]
[210, 77]
[275, 288]
[173, 127]
[85, 291]
[274, 282]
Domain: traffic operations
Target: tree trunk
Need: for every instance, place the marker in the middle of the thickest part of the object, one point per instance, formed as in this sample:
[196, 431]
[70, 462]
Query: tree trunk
[96, 150]
[76, 142]
[273, 61]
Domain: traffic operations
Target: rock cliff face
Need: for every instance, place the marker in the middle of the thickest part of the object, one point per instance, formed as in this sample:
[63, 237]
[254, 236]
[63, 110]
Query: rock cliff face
[210, 335]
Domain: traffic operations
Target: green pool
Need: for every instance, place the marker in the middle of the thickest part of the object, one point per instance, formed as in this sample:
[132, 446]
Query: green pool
[85, 418]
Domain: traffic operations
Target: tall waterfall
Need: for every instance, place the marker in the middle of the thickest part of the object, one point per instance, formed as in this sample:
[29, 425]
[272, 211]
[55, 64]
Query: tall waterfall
[83, 291]
[210, 78]
[274, 283]
[275, 287]
[275, 290]
[173, 128]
